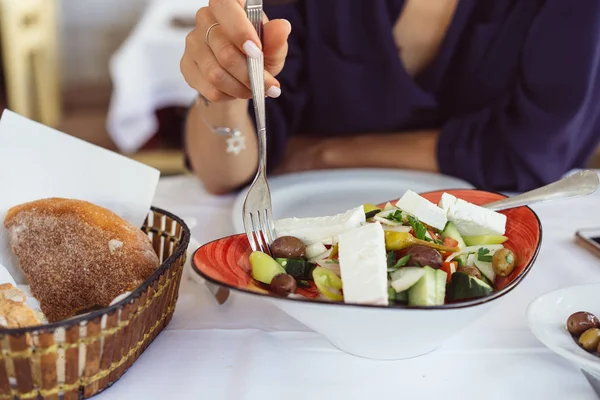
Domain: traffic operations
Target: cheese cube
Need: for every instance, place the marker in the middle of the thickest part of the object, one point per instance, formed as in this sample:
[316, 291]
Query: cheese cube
[422, 209]
[363, 265]
[474, 220]
[446, 201]
[320, 229]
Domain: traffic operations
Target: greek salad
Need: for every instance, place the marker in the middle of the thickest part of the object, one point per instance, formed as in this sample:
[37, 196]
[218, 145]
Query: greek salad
[413, 252]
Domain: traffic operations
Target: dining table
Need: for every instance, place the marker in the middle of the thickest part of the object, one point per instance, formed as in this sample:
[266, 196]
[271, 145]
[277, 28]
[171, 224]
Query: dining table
[246, 348]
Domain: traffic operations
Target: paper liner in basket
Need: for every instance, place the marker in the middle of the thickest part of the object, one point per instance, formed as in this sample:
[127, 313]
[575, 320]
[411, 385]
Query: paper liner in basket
[38, 162]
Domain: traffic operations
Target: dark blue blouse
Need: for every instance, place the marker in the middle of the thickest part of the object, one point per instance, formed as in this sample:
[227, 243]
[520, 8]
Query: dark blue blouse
[514, 89]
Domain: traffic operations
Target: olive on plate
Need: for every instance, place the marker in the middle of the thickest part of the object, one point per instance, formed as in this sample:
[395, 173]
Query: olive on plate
[469, 270]
[288, 247]
[421, 255]
[590, 339]
[503, 262]
[283, 285]
[582, 321]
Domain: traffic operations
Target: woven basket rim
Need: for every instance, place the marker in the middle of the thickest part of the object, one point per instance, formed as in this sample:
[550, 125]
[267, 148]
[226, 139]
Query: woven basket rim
[182, 246]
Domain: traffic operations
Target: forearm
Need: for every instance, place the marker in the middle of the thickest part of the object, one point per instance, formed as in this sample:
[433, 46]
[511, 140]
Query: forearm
[412, 150]
[220, 171]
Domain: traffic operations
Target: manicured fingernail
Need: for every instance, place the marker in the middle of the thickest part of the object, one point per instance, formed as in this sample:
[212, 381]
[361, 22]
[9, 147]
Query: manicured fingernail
[290, 25]
[251, 49]
[274, 92]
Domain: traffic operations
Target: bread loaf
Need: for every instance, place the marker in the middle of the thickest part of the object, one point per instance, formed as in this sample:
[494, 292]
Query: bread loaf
[77, 256]
[14, 313]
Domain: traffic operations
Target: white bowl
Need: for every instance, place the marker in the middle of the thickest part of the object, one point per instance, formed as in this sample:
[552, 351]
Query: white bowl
[384, 333]
[548, 316]
[370, 331]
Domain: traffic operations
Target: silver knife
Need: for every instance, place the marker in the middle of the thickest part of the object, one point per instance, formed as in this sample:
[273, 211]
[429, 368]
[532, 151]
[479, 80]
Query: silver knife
[594, 382]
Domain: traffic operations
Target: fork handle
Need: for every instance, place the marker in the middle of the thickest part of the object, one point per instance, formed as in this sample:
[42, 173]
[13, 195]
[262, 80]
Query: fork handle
[579, 184]
[256, 69]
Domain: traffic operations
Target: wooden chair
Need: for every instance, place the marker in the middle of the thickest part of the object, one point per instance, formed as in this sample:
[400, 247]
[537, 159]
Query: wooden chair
[31, 62]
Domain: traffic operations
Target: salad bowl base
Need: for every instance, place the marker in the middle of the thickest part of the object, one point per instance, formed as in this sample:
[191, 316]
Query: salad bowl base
[384, 333]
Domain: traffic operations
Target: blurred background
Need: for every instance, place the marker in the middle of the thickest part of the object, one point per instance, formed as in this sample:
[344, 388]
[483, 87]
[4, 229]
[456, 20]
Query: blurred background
[106, 71]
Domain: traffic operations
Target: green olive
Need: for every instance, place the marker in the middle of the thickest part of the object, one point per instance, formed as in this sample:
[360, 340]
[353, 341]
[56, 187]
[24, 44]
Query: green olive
[503, 262]
[590, 339]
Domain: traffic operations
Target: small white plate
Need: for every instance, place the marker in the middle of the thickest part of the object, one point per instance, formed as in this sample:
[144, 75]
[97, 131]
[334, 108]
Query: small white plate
[548, 316]
[318, 193]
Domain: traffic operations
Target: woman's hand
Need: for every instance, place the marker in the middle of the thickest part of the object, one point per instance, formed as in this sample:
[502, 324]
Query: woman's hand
[215, 64]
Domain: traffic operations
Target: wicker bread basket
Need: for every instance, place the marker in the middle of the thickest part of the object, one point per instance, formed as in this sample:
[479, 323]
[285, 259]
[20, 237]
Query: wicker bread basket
[80, 357]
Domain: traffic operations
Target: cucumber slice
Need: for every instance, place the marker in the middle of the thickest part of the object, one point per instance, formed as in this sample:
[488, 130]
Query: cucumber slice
[451, 231]
[463, 287]
[371, 210]
[297, 267]
[482, 240]
[424, 292]
[406, 277]
[440, 293]
[402, 297]
[264, 267]
[486, 269]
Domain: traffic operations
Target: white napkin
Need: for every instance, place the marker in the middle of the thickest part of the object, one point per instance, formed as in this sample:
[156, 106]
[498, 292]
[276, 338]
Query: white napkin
[38, 162]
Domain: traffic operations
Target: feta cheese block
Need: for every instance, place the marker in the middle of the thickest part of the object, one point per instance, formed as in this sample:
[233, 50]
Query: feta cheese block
[363, 265]
[471, 219]
[445, 202]
[422, 209]
[320, 229]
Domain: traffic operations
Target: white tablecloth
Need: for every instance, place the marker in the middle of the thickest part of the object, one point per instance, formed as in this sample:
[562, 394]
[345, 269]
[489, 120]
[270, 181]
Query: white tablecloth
[146, 75]
[247, 349]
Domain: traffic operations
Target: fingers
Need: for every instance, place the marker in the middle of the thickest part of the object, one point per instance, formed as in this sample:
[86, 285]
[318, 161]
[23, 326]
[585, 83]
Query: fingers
[276, 33]
[233, 60]
[195, 79]
[232, 18]
[216, 65]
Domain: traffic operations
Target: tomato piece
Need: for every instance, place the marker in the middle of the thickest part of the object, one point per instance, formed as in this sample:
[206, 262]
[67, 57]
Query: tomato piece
[449, 268]
[449, 242]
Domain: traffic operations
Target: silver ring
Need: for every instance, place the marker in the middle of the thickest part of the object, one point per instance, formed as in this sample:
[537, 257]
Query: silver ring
[208, 32]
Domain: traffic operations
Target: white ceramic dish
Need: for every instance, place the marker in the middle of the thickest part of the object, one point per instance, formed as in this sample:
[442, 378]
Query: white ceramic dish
[373, 331]
[385, 333]
[312, 194]
[548, 316]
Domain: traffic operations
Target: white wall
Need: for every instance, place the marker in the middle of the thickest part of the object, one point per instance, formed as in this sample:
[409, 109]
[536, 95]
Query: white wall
[90, 31]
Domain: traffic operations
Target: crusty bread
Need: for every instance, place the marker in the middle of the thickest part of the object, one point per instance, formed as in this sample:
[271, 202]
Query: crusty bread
[14, 313]
[77, 256]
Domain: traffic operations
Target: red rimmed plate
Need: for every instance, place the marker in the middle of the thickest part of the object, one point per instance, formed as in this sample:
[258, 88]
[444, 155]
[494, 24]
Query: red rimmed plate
[225, 261]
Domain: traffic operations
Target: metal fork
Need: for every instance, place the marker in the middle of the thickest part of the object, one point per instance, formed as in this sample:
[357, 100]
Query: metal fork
[257, 210]
[578, 184]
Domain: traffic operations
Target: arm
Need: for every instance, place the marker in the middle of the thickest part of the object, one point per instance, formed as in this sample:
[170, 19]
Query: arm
[222, 172]
[206, 151]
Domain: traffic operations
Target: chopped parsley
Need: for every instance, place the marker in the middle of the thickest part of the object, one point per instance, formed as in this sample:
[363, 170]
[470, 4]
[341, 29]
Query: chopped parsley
[418, 227]
[391, 259]
[396, 216]
[483, 255]
[399, 264]
[304, 284]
